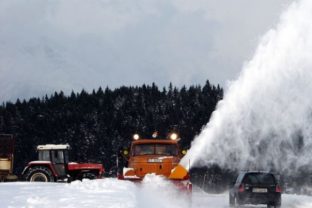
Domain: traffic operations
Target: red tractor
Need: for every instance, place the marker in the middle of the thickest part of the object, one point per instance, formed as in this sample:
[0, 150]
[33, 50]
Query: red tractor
[53, 165]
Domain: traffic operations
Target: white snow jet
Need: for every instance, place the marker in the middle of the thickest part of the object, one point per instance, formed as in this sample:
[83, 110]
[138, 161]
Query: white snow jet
[156, 191]
[265, 118]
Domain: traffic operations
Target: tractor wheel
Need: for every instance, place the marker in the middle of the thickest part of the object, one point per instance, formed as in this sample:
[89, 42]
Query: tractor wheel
[39, 174]
[90, 176]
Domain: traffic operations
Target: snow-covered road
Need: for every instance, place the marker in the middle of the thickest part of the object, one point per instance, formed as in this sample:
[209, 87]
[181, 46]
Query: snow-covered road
[111, 193]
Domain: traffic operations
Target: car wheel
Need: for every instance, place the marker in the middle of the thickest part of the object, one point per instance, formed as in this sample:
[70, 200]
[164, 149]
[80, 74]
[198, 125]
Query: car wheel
[278, 204]
[39, 174]
[231, 201]
[236, 203]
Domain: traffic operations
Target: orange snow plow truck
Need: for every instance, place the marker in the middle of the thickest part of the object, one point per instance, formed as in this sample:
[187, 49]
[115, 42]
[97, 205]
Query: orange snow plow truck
[156, 156]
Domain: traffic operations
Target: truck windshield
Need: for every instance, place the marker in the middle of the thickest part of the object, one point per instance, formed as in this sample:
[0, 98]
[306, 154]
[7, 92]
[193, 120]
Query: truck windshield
[155, 149]
[166, 149]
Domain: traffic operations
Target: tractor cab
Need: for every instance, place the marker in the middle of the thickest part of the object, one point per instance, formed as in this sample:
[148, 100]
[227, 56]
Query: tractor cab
[57, 154]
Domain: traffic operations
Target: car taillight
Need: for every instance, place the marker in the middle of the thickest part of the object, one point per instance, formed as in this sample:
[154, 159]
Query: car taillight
[241, 188]
[278, 189]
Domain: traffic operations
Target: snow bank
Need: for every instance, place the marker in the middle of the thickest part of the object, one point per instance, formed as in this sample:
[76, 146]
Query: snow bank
[112, 193]
[154, 191]
[99, 193]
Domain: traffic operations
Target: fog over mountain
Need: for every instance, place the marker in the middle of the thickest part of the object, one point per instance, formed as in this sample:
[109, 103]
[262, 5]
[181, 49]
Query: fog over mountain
[70, 45]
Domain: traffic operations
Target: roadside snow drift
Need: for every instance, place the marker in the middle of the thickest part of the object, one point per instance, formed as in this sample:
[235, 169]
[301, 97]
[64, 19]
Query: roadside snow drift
[154, 192]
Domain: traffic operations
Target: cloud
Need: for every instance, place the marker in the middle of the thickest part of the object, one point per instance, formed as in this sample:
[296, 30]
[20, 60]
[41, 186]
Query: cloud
[70, 45]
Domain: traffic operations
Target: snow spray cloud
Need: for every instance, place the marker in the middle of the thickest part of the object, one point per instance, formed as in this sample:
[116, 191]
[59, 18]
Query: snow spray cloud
[265, 119]
[155, 191]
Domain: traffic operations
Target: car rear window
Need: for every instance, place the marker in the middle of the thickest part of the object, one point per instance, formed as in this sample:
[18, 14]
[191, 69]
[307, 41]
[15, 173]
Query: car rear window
[240, 178]
[259, 178]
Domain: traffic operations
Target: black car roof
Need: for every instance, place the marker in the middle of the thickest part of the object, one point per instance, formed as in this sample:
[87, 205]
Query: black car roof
[266, 172]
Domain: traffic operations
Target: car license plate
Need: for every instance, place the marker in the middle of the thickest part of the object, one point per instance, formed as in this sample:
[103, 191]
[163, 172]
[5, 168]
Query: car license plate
[260, 190]
[154, 160]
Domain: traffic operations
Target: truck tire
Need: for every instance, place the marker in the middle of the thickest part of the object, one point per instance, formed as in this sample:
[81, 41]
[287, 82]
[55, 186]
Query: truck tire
[39, 174]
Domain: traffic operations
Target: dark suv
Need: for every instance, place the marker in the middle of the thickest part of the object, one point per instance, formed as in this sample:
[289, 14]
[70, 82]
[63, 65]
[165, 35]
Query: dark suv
[256, 188]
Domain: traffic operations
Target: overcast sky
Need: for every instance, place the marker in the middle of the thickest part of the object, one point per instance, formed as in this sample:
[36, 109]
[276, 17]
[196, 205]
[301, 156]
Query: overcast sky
[73, 44]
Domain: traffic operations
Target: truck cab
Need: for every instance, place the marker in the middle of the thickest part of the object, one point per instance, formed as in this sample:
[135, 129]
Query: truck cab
[152, 156]
[159, 157]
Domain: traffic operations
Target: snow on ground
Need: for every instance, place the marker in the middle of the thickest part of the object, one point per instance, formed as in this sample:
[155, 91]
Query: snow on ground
[153, 192]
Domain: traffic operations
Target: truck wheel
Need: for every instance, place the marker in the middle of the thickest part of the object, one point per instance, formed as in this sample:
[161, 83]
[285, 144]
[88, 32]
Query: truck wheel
[39, 174]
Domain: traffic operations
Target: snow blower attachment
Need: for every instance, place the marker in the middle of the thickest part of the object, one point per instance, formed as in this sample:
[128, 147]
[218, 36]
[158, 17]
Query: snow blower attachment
[178, 173]
[156, 156]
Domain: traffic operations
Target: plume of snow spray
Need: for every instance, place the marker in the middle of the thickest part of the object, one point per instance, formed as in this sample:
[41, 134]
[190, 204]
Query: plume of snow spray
[155, 191]
[265, 118]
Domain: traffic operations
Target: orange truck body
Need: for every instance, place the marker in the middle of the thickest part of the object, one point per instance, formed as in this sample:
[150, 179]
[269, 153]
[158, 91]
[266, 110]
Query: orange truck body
[159, 164]
[156, 161]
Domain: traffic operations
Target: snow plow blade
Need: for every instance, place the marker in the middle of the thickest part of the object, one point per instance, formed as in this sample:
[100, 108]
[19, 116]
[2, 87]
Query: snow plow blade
[178, 173]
